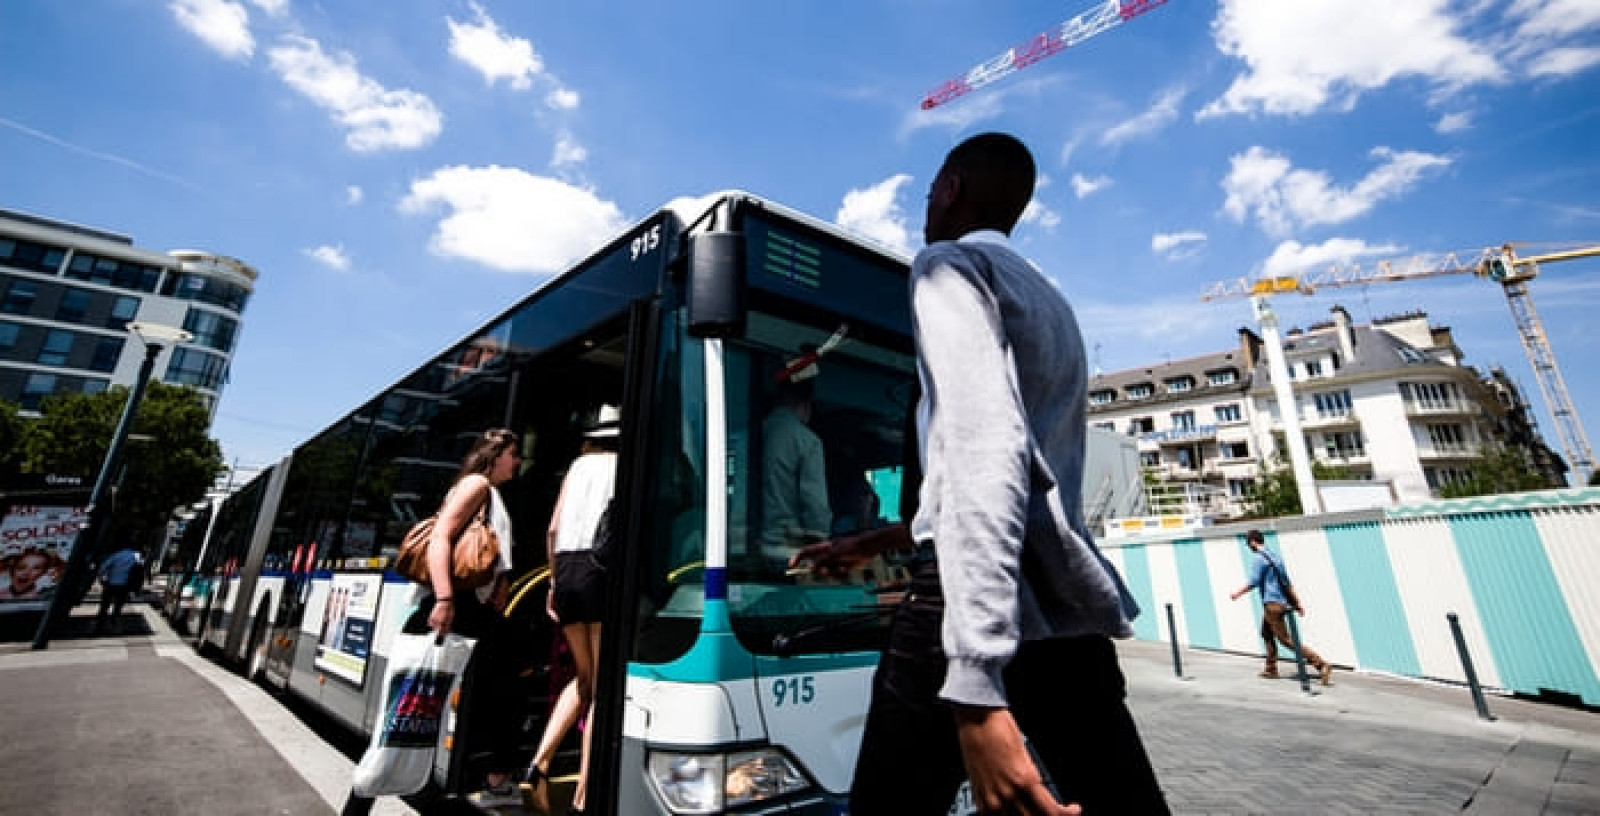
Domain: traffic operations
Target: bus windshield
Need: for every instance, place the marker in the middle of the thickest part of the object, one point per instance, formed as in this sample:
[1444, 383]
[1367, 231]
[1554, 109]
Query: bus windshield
[805, 464]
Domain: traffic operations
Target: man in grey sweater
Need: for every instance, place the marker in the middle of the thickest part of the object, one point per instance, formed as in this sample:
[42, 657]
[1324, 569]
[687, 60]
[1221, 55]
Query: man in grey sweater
[1007, 628]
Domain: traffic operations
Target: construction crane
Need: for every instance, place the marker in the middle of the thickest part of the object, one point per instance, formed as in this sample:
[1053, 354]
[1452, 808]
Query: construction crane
[1502, 265]
[1102, 17]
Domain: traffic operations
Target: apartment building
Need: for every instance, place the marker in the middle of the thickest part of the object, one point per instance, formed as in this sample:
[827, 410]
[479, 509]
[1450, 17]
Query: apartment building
[68, 293]
[1390, 401]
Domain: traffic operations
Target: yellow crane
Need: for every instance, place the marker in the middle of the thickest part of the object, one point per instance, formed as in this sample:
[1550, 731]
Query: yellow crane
[1504, 265]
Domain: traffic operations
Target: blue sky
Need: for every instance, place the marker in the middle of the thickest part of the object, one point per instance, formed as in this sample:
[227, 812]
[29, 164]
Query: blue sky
[401, 171]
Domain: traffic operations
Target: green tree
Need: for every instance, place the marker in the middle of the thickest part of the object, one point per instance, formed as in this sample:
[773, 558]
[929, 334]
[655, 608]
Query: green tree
[168, 460]
[13, 436]
[1499, 469]
[1278, 492]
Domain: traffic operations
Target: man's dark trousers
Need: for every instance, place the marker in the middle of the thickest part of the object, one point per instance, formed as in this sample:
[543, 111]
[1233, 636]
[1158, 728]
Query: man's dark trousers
[1066, 695]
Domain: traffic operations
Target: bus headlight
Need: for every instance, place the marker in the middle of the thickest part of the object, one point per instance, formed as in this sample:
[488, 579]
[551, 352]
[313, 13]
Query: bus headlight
[711, 783]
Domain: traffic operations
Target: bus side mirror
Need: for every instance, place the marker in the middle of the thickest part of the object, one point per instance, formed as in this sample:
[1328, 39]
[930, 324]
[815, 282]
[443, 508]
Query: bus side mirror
[716, 284]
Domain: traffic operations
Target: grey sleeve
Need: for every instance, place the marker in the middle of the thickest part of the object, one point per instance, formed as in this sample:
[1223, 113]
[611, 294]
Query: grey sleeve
[815, 515]
[976, 483]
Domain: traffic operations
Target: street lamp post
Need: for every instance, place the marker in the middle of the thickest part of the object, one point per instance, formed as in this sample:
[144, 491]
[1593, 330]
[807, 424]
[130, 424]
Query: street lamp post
[153, 336]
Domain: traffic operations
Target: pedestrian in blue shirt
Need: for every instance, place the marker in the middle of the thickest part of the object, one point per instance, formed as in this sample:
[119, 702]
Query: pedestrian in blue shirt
[118, 575]
[1277, 598]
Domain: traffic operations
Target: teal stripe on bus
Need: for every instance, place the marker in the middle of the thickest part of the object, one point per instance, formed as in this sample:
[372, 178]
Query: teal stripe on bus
[1199, 602]
[1525, 618]
[1136, 574]
[1378, 623]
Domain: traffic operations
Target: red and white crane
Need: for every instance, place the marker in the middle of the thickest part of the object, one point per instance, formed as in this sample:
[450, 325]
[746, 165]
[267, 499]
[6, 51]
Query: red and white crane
[1102, 17]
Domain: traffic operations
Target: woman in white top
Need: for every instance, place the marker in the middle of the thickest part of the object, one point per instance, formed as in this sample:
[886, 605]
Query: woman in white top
[577, 584]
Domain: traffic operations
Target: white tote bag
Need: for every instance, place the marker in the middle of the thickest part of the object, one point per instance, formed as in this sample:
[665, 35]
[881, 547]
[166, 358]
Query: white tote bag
[417, 687]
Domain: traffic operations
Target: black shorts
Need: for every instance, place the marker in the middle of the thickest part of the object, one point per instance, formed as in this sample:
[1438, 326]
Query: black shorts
[580, 588]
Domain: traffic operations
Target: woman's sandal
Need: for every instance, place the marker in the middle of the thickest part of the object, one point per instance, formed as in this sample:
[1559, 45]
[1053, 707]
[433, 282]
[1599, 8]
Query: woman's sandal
[532, 778]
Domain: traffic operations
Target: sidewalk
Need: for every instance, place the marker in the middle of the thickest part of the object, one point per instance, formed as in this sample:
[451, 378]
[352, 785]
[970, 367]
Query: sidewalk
[138, 723]
[1226, 741]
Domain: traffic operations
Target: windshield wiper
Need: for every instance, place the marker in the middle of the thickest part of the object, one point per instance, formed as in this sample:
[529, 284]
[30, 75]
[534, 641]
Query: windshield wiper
[786, 644]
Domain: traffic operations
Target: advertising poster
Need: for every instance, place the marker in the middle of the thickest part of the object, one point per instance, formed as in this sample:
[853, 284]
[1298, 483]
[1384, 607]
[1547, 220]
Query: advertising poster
[349, 620]
[34, 544]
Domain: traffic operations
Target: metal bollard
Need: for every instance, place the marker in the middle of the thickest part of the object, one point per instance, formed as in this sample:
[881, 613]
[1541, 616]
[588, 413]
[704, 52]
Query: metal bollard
[1299, 654]
[1172, 626]
[1466, 665]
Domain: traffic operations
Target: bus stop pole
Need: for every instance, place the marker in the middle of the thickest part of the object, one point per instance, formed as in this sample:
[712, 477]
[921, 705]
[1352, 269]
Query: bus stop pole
[1172, 627]
[1466, 666]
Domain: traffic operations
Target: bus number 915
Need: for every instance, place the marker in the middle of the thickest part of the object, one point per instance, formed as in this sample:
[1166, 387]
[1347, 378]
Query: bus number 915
[793, 691]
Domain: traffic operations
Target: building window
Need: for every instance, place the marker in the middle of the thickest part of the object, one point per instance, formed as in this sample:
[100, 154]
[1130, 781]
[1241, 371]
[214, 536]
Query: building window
[93, 386]
[1235, 450]
[1447, 438]
[1440, 477]
[1411, 355]
[1313, 368]
[205, 289]
[38, 386]
[1178, 385]
[1150, 458]
[123, 310]
[8, 335]
[1141, 425]
[1102, 397]
[1343, 445]
[1106, 426]
[198, 368]
[1222, 377]
[112, 272]
[211, 329]
[1229, 413]
[1188, 458]
[106, 353]
[1183, 420]
[1141, 391]
[1241, 488]
[1429, 396]
[28, 255]
[57, 345]
[1332, 404]
[73, 306]
[20, 297]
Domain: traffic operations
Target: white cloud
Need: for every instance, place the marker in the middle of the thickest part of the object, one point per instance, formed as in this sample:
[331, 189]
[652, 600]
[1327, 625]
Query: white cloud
[512, 220]
[374, 117]
[1564, 61]
[1040, 215]
[1164, 112]
[1176, 246]
[333, 257]
[1453, 122]
[274, 8]
[562, 99]
[1083, 186]
[1554, 18]
[353, 195]
[221, 24]
[568, 152]
[1263, 184]
[876, 213]
[1307, 55]
[492, 53]
[1294, 258]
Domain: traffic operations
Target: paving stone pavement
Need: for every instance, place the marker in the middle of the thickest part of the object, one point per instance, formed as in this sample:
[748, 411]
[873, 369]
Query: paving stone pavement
[1227, 742]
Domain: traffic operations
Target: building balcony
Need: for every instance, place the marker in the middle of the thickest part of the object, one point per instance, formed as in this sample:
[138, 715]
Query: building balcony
[1347, 419]
[1180, 436]
[1463, 450]
[1440, 409]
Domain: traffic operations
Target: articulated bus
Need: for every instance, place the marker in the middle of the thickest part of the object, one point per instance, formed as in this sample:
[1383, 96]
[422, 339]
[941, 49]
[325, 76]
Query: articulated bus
[727, 684]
